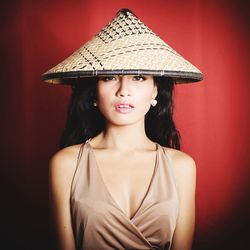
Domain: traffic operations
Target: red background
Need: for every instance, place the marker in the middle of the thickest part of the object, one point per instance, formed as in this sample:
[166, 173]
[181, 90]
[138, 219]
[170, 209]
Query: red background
[212, 116]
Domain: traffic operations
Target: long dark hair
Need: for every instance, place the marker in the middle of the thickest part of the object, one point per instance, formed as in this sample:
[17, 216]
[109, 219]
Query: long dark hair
[85, 121]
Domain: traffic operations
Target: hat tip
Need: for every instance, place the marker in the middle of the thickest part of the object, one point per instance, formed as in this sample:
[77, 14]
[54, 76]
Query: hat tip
[125, 11]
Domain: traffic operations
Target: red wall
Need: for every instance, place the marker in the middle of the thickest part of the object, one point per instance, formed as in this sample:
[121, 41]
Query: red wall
[212, 116]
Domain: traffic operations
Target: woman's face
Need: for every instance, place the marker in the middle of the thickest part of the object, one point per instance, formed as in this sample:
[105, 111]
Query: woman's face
[125, 100]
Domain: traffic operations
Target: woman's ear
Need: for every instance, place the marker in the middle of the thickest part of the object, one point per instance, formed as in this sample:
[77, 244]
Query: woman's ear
[155, 92]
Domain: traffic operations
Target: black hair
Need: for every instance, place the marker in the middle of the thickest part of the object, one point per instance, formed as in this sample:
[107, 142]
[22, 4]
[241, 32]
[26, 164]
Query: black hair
[159, 123]
[85, 121]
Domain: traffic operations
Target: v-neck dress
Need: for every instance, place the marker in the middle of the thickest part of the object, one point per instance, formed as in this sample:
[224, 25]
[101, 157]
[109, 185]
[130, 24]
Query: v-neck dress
[99, 223]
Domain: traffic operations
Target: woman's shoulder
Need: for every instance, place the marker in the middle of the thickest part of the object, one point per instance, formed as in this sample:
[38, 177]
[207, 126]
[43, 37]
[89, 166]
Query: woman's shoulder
[65, 160]
[182, 163]
[178, 155]
[61, 171]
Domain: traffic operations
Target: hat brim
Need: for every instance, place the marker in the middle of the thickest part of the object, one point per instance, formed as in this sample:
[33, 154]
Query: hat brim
[71, 76]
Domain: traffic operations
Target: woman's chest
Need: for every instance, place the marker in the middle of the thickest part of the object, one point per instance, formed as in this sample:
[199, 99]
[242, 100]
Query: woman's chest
[127, 179]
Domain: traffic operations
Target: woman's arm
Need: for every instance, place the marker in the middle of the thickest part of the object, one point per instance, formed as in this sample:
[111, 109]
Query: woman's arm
[62, 167]
[185, 173]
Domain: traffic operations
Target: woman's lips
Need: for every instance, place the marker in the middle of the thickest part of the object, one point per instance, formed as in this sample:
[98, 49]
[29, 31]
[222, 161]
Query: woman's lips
[124, 107]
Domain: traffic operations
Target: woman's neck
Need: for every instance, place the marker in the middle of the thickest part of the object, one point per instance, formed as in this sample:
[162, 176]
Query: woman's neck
[124, 138]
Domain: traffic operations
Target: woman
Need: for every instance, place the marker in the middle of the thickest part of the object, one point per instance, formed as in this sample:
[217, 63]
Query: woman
[120, 181]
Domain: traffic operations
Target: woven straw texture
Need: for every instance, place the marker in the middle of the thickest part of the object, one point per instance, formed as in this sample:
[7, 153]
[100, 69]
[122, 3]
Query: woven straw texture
[124, 46]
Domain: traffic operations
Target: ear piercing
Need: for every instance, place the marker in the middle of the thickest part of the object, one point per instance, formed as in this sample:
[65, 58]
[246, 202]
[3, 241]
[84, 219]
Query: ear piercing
[95, 103]
[153, 102]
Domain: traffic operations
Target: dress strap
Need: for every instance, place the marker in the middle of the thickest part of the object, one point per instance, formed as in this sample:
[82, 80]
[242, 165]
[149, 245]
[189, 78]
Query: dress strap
[79, 155]
[170, 165]
[80, 152]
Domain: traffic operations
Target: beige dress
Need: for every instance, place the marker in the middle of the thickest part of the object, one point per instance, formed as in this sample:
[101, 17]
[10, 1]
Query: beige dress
[99, 223]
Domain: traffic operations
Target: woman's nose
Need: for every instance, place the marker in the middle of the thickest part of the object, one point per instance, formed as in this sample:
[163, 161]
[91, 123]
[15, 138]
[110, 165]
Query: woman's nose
[123, 86]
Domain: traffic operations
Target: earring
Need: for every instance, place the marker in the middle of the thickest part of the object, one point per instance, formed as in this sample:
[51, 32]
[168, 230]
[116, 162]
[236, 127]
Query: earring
[153, 102]
[95, 103]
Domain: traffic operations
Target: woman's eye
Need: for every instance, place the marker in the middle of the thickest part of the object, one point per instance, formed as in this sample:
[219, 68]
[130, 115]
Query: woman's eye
[107, 78]
[139, 78]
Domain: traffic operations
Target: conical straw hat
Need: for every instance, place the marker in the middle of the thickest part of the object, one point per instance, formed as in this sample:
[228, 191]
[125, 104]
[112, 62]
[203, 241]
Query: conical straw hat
[125, 46]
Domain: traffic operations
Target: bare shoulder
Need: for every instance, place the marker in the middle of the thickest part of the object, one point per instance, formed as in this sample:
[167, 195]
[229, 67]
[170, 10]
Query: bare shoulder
[183, 165]
[64, 161]
[61, 171]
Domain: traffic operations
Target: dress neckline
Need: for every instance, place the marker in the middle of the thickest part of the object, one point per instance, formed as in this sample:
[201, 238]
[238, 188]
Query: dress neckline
[109, 193]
